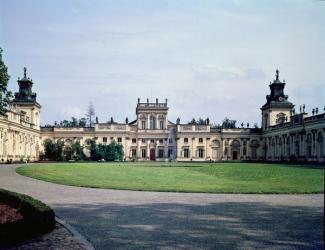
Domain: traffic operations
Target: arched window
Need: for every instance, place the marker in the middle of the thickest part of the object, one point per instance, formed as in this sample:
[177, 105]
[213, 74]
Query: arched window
[281, 118]
[235, 145]
[152, 122]
[216, 143]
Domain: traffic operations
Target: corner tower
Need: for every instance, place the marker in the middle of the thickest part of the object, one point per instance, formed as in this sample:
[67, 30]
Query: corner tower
[25, 102]
[277, 108]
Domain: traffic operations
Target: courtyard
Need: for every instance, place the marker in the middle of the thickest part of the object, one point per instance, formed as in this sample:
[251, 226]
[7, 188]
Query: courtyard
[119, 219]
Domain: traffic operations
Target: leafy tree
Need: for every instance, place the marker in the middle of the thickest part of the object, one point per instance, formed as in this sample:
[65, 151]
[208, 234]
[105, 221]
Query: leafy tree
[192, 122]
[59, 145]
[77, 150]
[49, 149]
[5, 95]
[200, 121]
[110, 152]
[68, 153]
[119, 152]
[74, 122]
[53, 150]
[90, 113]
[82, 122]
[227, 123]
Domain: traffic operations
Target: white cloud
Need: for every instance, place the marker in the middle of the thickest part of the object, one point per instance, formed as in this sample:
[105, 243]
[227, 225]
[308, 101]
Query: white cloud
[209, 58]
[72, 111]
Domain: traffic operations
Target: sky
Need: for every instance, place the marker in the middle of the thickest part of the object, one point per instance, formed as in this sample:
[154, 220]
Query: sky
[209, 58]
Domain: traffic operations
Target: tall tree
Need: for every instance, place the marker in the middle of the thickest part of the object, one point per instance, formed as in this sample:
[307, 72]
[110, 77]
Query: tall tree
[90, 113]
[5, 95]
[227, 123]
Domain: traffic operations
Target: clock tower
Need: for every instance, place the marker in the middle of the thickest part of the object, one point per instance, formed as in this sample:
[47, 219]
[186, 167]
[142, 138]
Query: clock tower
[277, 108]
[25, 102]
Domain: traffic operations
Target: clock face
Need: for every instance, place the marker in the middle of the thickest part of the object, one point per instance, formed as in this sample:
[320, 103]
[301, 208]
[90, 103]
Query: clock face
[280, 99]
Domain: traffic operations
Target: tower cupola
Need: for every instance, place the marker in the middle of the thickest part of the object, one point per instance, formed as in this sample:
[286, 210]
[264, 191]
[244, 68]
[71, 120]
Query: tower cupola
[25, 93]
[277, 108]
[277, 98]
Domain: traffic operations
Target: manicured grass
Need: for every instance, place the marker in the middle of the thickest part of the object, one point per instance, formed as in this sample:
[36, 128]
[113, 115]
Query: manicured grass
[184, 177]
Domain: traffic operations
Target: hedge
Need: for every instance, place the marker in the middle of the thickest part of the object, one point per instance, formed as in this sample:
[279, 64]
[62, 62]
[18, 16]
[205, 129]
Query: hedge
[38, 218]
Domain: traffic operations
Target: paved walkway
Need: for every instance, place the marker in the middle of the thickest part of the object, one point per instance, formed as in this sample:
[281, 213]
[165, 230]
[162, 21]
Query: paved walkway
[114, 219]
[58, 238]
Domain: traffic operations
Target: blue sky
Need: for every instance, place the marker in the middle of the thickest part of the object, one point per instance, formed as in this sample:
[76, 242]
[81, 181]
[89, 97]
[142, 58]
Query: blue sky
[209, 58]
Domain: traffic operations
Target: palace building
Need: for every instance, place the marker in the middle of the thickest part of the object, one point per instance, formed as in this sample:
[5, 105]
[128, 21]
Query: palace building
[285, 134]
[20, 128]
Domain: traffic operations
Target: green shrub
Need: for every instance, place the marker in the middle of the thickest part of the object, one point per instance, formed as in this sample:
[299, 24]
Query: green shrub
[38, 218]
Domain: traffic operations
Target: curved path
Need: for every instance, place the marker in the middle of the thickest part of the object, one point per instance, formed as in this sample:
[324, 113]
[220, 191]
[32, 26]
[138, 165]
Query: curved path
[114, 219]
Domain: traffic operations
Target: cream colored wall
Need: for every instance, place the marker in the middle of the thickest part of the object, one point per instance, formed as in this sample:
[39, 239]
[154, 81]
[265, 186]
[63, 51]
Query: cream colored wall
[272, 115]
[19, 140]
[302, 142]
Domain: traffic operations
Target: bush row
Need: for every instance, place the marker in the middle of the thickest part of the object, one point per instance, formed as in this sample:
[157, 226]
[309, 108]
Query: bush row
[38, 218]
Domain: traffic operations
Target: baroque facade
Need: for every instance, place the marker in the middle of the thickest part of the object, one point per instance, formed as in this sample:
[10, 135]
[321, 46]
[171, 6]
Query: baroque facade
[20, 128]
[285, 134]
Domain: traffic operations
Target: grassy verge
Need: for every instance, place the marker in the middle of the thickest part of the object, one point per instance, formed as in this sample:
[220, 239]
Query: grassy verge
[38, 218]
[184, 177]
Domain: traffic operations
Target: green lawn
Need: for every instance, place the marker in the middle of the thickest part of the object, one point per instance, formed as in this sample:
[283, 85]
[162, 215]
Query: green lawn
[184, 177]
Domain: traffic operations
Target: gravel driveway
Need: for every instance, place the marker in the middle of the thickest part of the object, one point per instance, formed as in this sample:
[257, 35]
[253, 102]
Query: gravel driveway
[114, 219]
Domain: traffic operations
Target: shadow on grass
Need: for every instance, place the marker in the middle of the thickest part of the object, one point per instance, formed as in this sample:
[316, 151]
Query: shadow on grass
[181, 226]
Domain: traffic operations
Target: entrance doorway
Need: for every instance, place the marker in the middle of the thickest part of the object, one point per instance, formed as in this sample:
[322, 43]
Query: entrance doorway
[234, 155]
[152, 154]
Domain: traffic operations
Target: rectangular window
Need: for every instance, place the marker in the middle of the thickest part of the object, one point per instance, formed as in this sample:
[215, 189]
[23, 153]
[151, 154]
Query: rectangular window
[185, 140]
[104, 139]
[200, 140]
[161, 153]
[244, 151]
[143, 140]
[119, 139]
[143, 124]
[134, 140]
[201, 153]
[161, 141]
[186, 153]
[143, 153]
[134, 153]
[152, 140]
[170, 140]
[161, 124]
